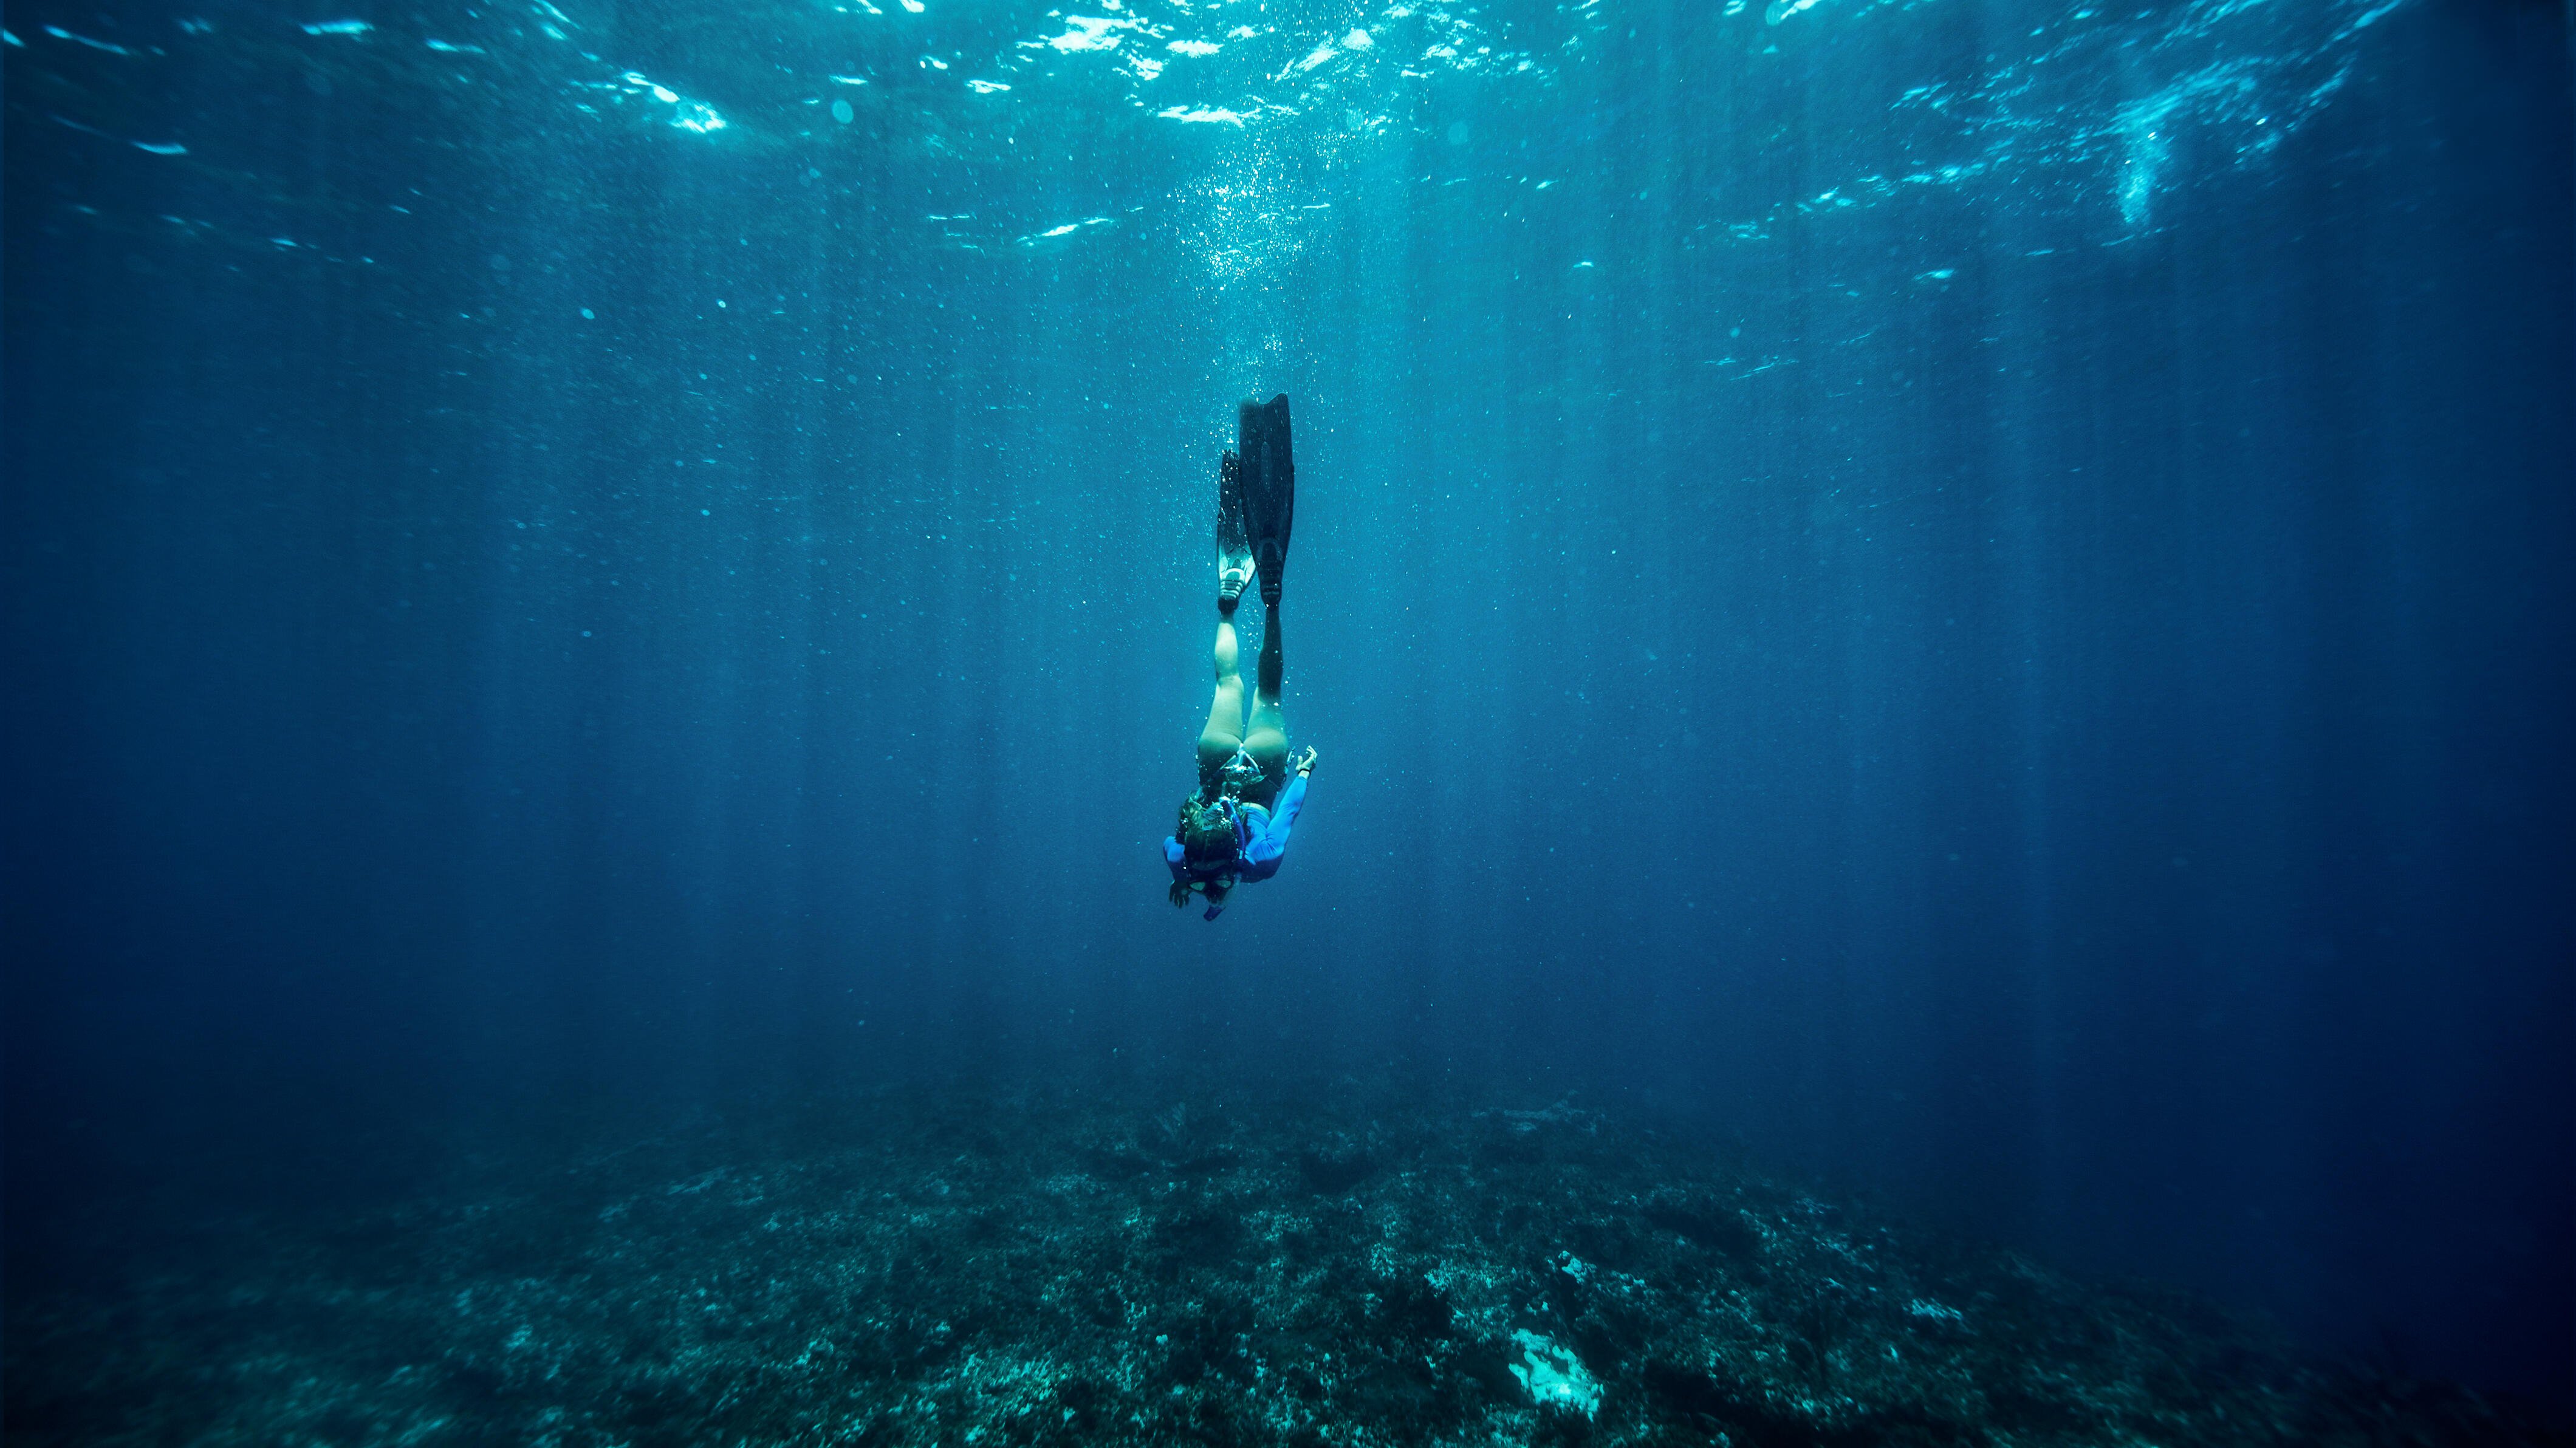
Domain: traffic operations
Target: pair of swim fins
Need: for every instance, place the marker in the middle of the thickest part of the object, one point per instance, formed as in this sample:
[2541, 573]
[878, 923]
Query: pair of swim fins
[1256, 496]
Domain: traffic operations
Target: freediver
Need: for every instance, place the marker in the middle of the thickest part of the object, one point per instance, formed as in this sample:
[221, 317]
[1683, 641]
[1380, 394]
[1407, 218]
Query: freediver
[1235, 827]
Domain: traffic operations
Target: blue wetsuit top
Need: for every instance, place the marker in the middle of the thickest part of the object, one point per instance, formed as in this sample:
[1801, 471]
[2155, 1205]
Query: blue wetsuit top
[1260, 840]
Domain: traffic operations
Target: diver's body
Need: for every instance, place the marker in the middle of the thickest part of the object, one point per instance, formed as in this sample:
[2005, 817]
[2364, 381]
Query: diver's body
[1236, 827]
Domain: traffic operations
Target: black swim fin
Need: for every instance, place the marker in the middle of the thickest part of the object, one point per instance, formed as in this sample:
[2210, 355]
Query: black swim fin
[1269, 471]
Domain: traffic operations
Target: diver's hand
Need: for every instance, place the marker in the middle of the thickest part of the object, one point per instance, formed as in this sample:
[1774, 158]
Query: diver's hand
[1306, 761]
[1180, 895]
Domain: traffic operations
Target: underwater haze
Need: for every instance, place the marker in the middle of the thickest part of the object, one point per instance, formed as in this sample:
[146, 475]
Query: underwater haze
[1966, 601]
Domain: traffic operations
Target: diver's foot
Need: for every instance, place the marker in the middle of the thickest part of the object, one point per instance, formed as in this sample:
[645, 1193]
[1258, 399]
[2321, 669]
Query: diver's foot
[1233, 549]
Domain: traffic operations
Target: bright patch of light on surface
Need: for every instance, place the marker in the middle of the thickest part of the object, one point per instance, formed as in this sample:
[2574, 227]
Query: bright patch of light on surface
[985, 87]
[1091, 32]
[1068, 229]
[328, 27]
[1202, 116]
[693, 116]
[1193, 47]
[60, 33]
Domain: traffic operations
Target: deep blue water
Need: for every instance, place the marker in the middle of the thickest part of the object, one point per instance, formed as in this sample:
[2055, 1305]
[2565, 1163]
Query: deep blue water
[1976, 593]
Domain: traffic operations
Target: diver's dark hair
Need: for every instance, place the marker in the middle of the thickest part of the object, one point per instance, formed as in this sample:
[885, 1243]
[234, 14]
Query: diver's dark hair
[1206, 831]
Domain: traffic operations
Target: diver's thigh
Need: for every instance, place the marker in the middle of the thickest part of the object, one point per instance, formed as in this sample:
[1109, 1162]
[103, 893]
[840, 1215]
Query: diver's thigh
[1216, 749]
[1268, 741]
[1268, 746]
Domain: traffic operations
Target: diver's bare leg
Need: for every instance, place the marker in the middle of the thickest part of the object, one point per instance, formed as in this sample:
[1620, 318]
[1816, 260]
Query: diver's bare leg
[1267, 738]
[1224, 732]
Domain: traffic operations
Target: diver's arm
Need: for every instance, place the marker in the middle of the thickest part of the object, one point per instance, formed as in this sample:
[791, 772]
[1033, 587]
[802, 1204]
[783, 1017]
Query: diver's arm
[1272, 842]
[1291, 799]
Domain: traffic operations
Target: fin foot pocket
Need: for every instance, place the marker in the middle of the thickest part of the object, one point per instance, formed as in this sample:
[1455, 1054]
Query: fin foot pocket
[1233, 549]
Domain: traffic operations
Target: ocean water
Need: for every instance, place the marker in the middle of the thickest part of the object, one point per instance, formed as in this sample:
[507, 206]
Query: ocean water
[1956, 605]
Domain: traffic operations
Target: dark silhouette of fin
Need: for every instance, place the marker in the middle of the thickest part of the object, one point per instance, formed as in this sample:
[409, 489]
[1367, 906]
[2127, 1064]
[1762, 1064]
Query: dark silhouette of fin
[1269, 477]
